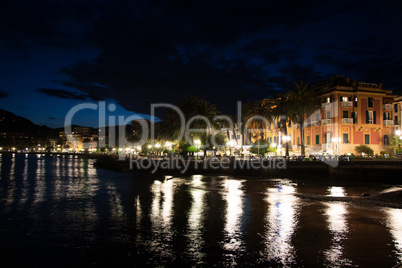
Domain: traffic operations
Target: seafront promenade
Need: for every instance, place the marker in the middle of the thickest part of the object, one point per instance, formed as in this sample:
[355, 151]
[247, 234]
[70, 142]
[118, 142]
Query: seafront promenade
[370, 170]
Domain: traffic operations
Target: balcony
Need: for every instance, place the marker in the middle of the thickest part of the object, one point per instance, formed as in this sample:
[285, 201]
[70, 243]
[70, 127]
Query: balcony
[326, 121]
[347, 104]
[325, 146]
[388, 122]
[347, 120]
[315, 123]
[387, 106]
[296, 125]
[326, 105]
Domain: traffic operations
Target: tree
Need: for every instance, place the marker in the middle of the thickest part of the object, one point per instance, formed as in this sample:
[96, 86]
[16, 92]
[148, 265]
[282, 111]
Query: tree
[257, 115]
[302, 102]
[201, 113]
[364, 149]
[261, 148]
[395, 145]
[283, 114]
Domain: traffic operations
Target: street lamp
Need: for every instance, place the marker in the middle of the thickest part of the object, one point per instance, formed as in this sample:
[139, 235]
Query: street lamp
[231, 145]
[286, 139]
[197, 145]
[336, 141]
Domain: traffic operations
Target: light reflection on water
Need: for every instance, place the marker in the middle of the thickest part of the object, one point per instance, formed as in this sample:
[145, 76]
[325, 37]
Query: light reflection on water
[196, 215]
[81, 214]
[394, 222]
[281, 220]
[233, 216]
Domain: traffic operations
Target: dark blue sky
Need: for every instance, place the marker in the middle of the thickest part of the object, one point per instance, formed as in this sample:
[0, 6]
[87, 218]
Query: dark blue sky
[56, 54]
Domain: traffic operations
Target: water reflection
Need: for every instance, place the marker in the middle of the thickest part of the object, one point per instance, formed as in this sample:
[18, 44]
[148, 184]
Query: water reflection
[394, 222]
[281, 221]
[195, 219]
[336, 191]
[234, 211]
[161, 218]
[64, 207]
[336, 216]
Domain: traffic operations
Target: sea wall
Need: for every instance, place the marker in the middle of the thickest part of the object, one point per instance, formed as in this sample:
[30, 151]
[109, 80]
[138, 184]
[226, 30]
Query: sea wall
[385, 171]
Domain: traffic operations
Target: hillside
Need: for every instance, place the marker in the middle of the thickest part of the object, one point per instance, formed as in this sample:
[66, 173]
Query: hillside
[13, 125]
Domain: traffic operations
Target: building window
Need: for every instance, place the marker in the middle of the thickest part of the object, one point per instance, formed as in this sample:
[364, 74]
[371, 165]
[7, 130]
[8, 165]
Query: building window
[371, 117]
[327, 138]
[317, 139]
[345, 138]
[370, 102]
[308, 140]
[396, 107]
[344, 98]
[386, 141]
[354, 116]
[396, 120]
[366, 138]
[345, 114]
[317, 117]
[328, 114]
[298, 140]
[355, 102]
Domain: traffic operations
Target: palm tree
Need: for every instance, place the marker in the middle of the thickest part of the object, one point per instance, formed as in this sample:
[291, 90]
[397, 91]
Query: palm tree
[302, 102]
[283, 115]
[257, 115]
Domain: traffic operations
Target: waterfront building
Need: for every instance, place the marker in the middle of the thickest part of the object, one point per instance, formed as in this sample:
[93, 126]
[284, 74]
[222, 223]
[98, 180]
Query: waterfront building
[351, 113]
[398, 112]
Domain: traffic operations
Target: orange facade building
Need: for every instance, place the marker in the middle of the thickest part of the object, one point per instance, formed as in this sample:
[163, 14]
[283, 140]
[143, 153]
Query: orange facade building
[351, 114]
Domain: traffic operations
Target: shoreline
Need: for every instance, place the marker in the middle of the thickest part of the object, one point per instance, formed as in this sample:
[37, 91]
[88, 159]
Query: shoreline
[371, 170]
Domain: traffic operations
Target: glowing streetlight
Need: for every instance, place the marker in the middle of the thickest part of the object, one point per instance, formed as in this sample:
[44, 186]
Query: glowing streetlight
[336, 141]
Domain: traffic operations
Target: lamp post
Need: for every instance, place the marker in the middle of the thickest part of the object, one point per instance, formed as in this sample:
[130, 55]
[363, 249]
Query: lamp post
[273, 145]
[231, 145]
[286, 139]
[197, 145]
[336, 141]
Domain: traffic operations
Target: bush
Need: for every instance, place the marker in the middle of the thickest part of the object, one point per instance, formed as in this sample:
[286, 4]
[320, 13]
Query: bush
[364, 149]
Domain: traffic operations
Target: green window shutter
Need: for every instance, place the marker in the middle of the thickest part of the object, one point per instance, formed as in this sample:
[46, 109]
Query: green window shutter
[317, 139]
[367, 139]
[367, 117]
[340, 98]
[354, 117]
[374, 118]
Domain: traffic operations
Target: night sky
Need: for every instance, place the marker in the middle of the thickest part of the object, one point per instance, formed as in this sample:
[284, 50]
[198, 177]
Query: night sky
[56, 54]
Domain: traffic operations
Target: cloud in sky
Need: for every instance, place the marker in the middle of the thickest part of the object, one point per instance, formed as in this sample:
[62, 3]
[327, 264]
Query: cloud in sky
[3, 94]
[223, 51]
